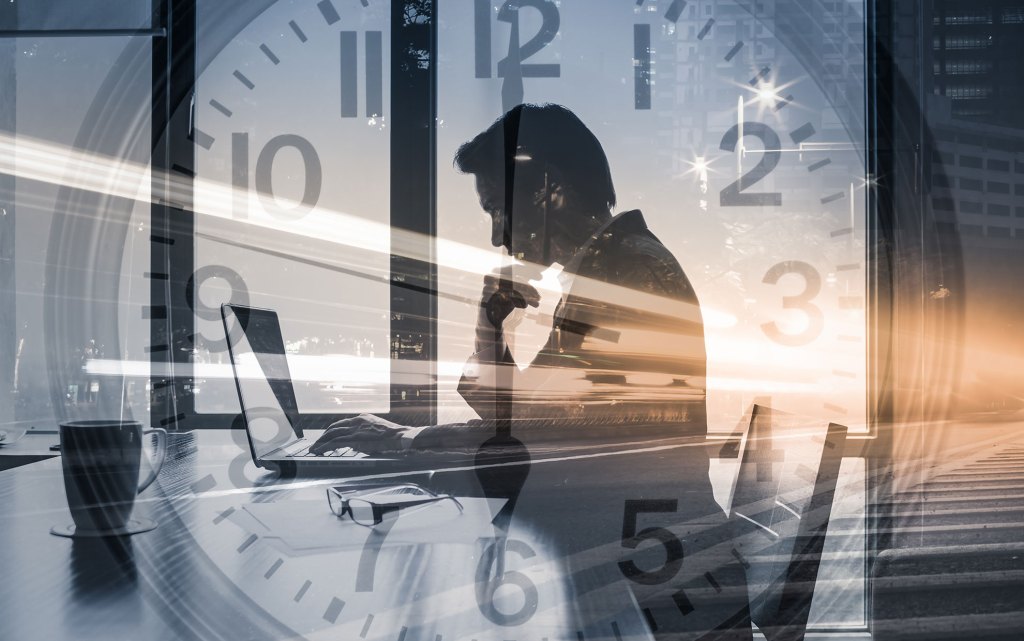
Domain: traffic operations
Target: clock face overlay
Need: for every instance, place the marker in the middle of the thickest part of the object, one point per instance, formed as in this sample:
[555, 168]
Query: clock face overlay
[743, 148]
[738, 131]
[292, 186]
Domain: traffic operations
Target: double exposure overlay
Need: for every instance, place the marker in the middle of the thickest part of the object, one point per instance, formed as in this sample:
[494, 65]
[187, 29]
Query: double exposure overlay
[512, 319]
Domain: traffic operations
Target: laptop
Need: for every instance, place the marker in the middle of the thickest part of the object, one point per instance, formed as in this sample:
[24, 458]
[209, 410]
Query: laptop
[270, 412]
[784, 491]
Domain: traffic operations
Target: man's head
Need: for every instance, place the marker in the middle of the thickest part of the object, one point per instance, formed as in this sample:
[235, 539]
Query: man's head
[558, 173]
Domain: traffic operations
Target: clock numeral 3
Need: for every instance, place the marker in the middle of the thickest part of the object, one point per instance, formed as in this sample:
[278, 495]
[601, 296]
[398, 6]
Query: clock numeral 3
[632, 539]
[509, 12]
[312, 176]
[801, 301]
[734, 195]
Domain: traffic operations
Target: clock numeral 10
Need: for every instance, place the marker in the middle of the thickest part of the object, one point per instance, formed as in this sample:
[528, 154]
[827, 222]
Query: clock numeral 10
[509, 12]
[312, 174]
[373, 76]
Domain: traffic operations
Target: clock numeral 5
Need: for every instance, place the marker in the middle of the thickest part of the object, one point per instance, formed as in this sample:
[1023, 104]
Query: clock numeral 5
[733, 195]
[801, 301]
[313, 176]
[632, 539]
[509, 12]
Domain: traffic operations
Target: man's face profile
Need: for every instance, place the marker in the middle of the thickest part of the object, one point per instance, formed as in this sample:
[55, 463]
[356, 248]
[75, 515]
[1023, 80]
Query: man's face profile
[524, 234]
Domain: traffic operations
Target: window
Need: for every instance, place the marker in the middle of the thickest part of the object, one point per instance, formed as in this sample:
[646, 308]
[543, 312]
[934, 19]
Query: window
[970, 207]
[66, 190]
[996, 187]
[995, 209]
[970, 184]
[972, 162]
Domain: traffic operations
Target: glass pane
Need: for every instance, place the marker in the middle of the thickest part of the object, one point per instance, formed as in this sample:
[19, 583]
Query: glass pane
[739, 133]
[79, 211]
[54, 15]
[292, 197]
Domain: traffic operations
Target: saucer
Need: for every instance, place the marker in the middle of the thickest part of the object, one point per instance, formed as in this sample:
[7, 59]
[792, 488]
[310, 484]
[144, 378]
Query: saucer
[133, 526]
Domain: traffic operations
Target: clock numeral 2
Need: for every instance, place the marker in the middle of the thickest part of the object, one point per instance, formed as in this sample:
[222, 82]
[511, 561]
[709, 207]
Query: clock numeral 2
[734, 195]
[802, 301]
[374, 74]
[312, 174]
[509, 12]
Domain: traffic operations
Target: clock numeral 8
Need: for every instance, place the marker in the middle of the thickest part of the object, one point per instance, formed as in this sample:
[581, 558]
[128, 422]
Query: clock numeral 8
[487, 584]
[312, 176]
[509, 12]
[632, 539]
[802, 301]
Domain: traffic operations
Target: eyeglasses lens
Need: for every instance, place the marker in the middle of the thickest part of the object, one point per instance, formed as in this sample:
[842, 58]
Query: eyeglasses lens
[362, 511]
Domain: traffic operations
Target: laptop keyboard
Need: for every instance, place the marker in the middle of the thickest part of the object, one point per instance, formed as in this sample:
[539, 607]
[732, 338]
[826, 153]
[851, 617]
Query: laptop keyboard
[344, 452]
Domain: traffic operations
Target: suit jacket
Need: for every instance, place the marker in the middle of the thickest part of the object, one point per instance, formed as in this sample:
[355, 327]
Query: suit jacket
[626, 348]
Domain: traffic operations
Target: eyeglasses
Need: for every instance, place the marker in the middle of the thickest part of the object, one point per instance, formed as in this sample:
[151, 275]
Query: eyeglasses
[373, 504]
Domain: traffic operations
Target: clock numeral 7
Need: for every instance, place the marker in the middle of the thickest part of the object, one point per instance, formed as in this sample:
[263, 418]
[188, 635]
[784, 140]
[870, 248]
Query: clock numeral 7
[801, 301]
[509, 12]
[632, 539]
[313, 176]
[734, 195]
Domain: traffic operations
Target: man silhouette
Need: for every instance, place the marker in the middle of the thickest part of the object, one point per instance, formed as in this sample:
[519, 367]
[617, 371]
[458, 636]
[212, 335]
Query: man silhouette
[616, 392]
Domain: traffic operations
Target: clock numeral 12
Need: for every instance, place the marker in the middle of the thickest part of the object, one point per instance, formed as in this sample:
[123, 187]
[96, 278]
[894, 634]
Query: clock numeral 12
[509, 12]
[374, 74]
[312, 174]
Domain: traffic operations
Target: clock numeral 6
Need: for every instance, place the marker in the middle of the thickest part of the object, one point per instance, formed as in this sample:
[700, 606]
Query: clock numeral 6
[801, 301]
[734, 195]
[509, 12]
[487, 583]
[312, 176]
[632, 539]
[239, 294]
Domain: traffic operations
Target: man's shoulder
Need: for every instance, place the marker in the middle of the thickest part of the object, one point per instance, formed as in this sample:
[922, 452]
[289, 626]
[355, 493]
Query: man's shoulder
[633, 255]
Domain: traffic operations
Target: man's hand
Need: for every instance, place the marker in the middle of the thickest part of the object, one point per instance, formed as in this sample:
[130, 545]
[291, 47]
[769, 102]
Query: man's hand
[506, 289]
[366, 433]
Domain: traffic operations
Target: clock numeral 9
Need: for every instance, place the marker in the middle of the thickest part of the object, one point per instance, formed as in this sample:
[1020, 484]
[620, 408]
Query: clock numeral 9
[801, 301]
[312, 176]
[509, 12]
[632, 539]
[733, 195]
[239, 294]
[487, 584]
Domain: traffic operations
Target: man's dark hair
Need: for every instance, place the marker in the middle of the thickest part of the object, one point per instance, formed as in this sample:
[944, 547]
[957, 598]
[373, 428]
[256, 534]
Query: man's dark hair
[550, 135]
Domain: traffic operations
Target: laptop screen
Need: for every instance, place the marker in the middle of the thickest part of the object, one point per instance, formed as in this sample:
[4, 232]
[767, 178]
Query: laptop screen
[261, 373]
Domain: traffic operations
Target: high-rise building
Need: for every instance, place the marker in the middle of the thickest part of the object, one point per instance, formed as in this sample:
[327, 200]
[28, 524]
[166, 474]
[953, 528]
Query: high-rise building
[976, 60]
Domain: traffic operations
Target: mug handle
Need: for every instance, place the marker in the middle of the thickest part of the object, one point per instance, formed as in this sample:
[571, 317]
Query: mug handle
[157, 461]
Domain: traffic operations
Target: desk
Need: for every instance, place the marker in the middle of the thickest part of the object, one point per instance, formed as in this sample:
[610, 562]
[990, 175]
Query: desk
[199, 575]
[33, 447]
